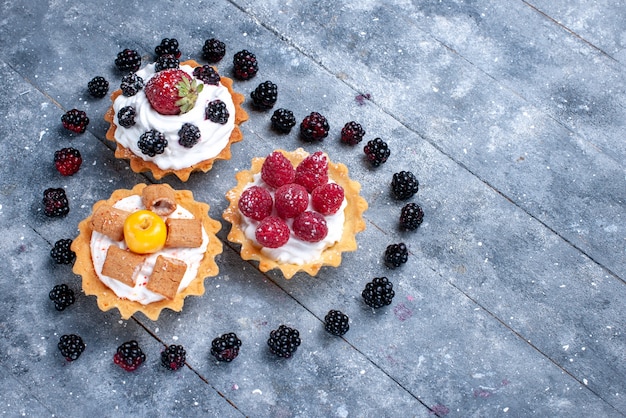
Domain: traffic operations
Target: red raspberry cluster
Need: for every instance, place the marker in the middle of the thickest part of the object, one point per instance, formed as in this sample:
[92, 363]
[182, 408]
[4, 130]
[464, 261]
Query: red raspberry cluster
[301, 194]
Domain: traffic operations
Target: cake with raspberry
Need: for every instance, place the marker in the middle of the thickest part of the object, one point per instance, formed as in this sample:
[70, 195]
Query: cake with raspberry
[295, 211]
[175, 120]
[146, 249]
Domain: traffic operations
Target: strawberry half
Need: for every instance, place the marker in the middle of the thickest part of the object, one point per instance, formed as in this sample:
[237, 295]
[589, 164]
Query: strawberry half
[172, 91]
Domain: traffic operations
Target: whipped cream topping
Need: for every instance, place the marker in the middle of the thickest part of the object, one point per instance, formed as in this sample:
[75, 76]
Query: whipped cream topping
[139, 293]
[214, 135]
[295, 251]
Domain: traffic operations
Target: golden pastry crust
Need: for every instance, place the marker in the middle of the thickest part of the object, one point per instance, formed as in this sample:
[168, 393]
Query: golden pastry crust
[331, 256]
[107, 299]
[138, 165]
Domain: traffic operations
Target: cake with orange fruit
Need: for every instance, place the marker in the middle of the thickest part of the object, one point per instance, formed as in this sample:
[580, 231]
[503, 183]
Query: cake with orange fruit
[146, 249]
[295, 211]
[175, 120]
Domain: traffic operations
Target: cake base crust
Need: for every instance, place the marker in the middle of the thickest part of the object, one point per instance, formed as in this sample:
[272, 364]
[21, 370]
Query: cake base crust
[107, 299]
[331, 256]
[139, 165]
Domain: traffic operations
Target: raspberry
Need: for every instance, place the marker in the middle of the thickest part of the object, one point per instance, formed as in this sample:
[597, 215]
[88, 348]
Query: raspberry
[284, 341]
[256, 203]
[277, 170]
[411, 217]
[207, 75]
[272, 232]
[188, 135]
[62, 296]
[283, 120]
[62, 253]
[152, 142]
[327, 198]
[290, 200]
[314, 127]
[131, 84]
[168, 47]
[213, 50]
[98, 87]
[226, 347]
[129, 356]
[165, 62]
[245, 65]
[312, 171]
[217, 112]
[396, 255]
[352, 133]
[336, 322]
[310, 226]
[264, 96]
[55, 202]
[173, 357]
[71, 346]
[378, 293]
[126, 116]
[128, 60]
[75, 120]
[404, 185]
[377, 151]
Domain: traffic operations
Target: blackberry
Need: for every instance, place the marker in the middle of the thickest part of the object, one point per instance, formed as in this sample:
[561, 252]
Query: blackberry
[404, 185]
[217, 112]
[152, 142]
[411, 217]
[126, 116]
[283, 120]
[352, 133]
[336, 322]
[226, 347]
[213, 50]
[207, 75]
[396, 255]
[376, 151]
[128, 60]
[71, 346]
[62, 296]
[314, 127]
[75, 120]
[173, 357]
[378, 293]
[131, 84]
[168, 47]
[129, 356]
[55, 202]
[264, 96]
[98, 87]
[245, 65]
[284, 341]
[188, 135]
[61, 252]
[67, 161]
[166, 62]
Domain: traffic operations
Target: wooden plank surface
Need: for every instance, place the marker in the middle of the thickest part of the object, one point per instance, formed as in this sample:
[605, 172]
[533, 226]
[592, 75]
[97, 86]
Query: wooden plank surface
[513, 299]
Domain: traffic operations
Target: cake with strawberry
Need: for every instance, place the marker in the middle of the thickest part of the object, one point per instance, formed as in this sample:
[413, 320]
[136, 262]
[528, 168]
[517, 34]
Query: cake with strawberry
[175, 119]
[295, 211]
[146, 249]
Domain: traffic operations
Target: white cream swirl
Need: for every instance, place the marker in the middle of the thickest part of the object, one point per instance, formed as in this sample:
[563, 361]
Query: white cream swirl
[295, 251]
[214, 136]
[139, 293]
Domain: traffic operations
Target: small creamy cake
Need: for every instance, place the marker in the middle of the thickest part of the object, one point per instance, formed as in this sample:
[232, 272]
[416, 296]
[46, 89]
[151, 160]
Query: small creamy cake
[295, 212]
[146, 249]
[175, 121]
